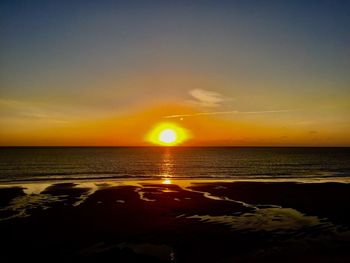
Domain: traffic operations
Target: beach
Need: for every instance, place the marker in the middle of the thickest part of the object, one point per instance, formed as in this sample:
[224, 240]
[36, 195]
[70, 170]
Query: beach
[175, 131]
[175, 221]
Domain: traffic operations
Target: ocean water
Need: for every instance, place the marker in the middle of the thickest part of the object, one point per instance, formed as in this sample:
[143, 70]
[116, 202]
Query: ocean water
[85, 163]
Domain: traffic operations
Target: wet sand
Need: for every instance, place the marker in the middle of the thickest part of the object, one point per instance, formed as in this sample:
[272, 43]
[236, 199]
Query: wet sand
[180, 221]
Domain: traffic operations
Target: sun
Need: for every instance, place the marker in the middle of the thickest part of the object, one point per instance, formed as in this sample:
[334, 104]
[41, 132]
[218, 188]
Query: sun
[167, 134]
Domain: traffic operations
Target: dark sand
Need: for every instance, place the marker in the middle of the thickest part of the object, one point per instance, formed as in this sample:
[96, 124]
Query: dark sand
[154, 222]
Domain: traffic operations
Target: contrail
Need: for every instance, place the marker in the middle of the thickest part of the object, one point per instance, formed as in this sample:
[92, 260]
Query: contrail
[226, 112]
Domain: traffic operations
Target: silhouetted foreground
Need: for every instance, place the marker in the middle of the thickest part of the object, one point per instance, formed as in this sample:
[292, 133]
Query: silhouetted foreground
[149, 222]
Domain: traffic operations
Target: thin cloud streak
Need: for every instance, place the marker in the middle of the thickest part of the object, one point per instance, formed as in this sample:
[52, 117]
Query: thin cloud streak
[226, 112]
[207, 98]
[23, 109]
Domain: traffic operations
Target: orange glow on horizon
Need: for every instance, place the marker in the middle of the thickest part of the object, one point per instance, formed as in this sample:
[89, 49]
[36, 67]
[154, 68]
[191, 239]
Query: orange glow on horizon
[144, 126]
[167, 134]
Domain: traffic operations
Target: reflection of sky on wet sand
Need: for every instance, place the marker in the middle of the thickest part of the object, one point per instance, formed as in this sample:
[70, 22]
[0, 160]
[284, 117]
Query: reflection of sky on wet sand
[260, 218]
[266, 219]
[142, 195]
[176, 206]
[21, 205]
[30, 189]
[92, 189]
[36, 196]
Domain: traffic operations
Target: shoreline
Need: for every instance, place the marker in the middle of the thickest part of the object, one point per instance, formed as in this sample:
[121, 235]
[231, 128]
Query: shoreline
[304, 180]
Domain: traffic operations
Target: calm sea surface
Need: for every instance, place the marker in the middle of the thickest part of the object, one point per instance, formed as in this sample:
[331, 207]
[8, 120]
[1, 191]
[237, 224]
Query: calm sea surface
[35, 164]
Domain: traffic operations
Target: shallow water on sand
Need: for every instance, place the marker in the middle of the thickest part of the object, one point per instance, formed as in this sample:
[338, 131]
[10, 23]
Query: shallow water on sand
[176, 221]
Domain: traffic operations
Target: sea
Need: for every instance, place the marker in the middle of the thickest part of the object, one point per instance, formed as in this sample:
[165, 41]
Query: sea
[32, 164]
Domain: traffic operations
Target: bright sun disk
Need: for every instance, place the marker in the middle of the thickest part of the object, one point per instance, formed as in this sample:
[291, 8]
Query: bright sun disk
[167, 134]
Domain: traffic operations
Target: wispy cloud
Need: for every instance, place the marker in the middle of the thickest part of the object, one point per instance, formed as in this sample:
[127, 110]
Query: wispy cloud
[206, 98]
[23, 109]
[227, 112]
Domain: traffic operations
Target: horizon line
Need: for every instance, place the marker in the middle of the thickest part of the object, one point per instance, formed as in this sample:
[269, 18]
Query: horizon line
[179, 146]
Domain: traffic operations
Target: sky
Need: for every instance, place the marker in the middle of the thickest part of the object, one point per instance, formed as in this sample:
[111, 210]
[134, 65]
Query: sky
[232, 73]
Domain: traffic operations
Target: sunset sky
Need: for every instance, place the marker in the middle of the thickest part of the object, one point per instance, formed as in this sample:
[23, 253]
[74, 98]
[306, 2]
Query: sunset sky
[229, 72]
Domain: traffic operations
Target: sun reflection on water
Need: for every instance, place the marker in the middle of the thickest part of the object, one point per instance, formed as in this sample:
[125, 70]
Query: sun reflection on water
[166, 181]
[166, 169]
